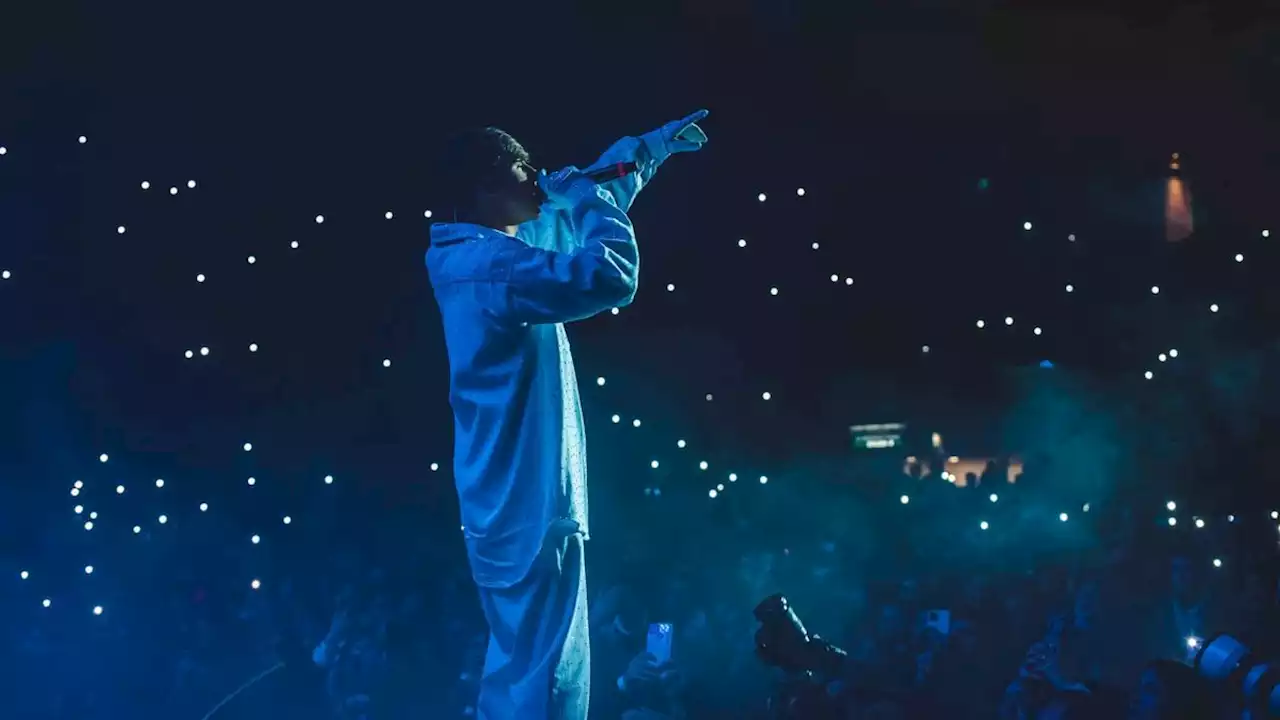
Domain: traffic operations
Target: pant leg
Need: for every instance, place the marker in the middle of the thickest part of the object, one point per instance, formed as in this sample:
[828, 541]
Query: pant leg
[538, 664]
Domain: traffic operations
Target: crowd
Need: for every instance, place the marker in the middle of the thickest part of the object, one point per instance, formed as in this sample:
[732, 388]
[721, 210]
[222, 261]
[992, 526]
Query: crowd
[1030, 616]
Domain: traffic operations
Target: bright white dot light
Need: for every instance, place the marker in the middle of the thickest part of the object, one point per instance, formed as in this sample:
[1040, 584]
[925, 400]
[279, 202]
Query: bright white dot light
[720, 487]
[800, 192]
[848, 281]
[1071, 288]
[1173, 352]
[600, 381]
[255, 584]
[671, 287]
[1171, 506]
[102, 458]
[248, 447]
[924, 348]
[1155, 289]
[702, 465]
[426, 214]
[814, 246]
[1231, 518]
[1036, 331]
[835, 278]
[435, 467]
[204, 352]
[24, 574]
[46, 602]
[173, 191]
[74, 492]
[761, 197]
[159, 482]
[1085, 507]
[635, 423]
[742, 242]
[386, 362]
[1008, 321]
[5, 151]
[994, 497]
[1071, 237]
[1239, 257]
[88, 569]
[1173, 521]
[1193, 642]
[78, 509]
[83, 139]
[1162, 357]
[93, 515]
[97, 609]
[253, 347]
[766, 396]
[328, 479]
[146, 185]
[137, 529]
[1266, 233]
[733, 477]
[78, 484]
[616, 419]
[119, 489]
[1217, 562]
[388, 215]
[255, 539]
[613, 311]
[1148, 374]
[319, 219]
[200, 278]
[1199, 523]
[773, 291]
[204, 507]
[189, 354]
[1026, 226]
[191, 184]
[252, 259]
[88, 524]
[981, 324]
[120, 230]
[163, 519]
[712, 493]
[1062, 517]
[710, 397]
[5, 275]
[287, 520]
[983, 525]
[294, 244]
[1275, 515]
[680, 443]
[1213, 308]
[764, 480]
[904, 499]
[253, 481]
[654, 464]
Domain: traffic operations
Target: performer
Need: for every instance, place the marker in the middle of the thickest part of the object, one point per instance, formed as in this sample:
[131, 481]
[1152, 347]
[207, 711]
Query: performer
[525, 253]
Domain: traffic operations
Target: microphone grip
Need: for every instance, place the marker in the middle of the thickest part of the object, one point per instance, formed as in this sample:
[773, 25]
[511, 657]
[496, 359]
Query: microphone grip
[608, 173]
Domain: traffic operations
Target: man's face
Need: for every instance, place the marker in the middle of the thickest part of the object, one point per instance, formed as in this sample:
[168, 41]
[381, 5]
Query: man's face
[516, 194]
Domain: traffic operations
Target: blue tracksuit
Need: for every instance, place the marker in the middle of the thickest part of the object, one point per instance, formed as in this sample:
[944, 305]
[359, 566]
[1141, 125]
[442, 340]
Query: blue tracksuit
[519, 449]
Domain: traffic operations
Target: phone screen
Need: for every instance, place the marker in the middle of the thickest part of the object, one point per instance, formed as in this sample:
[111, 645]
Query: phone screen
[658, 643]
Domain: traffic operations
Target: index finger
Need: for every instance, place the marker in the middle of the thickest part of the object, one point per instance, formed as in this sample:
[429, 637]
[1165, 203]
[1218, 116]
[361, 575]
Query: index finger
[695, 117]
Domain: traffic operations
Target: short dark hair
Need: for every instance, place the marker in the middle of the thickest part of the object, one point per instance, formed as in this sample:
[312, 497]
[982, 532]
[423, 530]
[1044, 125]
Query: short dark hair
[472, 158]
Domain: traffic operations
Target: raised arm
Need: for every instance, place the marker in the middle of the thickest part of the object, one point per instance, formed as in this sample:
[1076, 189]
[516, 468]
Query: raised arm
[555, 230]
[549, 286]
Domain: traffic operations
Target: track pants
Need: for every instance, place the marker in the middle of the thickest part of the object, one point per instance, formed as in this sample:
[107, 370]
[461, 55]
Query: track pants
[538, 665]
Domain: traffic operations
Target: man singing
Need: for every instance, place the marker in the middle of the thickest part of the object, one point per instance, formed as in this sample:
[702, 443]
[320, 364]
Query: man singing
[527, 252]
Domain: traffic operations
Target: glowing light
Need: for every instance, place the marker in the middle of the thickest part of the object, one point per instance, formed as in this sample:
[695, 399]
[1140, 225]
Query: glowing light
[137, 529]
[88, 569]
[188, 354]
[426, 214]
[671, 287]
[1231, 518]
[1071, 237]
[1193, 642]
[1085, 507]
[1162, 357]
[204, 507]
[146, 185]
[712, 493]
[328, 479]
[287, 520]
[88, 524]
[319, 219]
[74, 492]
[5, 275]
[1155, 289]
[1239, 258]
[1173, 352]
[761, 197]
[710, 397]
[680, 444]
[703, 465]
[97, 609]
[720, 487]
[255, 584]
[24, 574]
[388, 215]
[1037, 331]
[191, 184]
[983, 525]
[163, 519]
[204, 352]
[924, 349]
[742, 242]
[1171, 506]
[1173, 521]
[248, 447]
[1148, 374]
[800, 192]
[255, 539]
[1217, 562]
[435, 467]
[103, 458]
[653, 464]
[814, 246]
[981, 324]
[616, 419]
[253, 347]
[635, 423]
[764, 480]
[293, 244]
[733, 477]
[252, 259]
[46, 602]
[83, 139]
[848, 281]
[600, 381]
[386, 362]
[1213, 308]
[613, 311]
[173, 191]
[1266, 233]
[120, 230]
[835, 278]
[1062, 517]
[1026, 226]
[904, 499]
[1275, 515]
[994, 497]
[773, 291]
[1199, 523]
[78, 509]
[253, 481]
[1071, 288]
[119, 489]
[766, 396]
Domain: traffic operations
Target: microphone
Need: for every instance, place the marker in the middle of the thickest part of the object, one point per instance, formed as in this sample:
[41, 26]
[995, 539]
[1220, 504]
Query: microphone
[610, 172]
